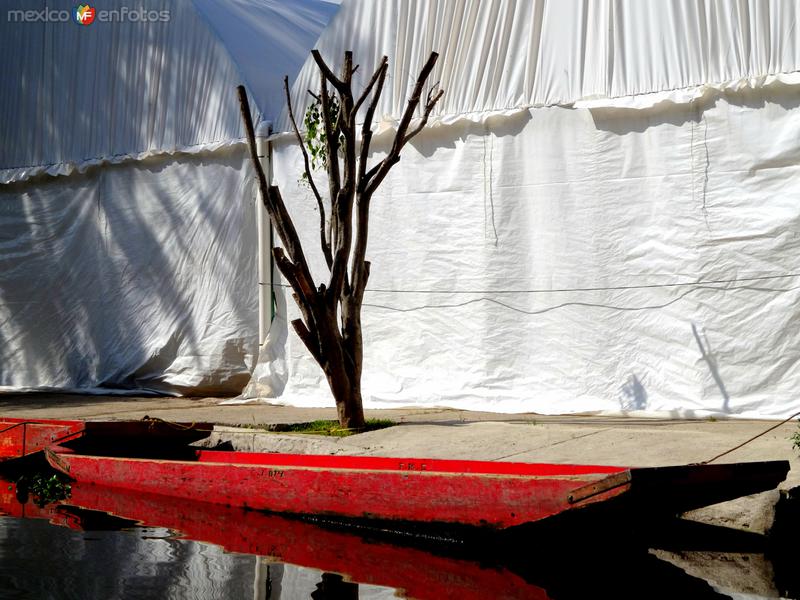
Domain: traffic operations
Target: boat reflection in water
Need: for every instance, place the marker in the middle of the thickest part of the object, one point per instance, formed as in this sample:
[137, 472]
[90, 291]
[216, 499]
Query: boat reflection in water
[558, 564]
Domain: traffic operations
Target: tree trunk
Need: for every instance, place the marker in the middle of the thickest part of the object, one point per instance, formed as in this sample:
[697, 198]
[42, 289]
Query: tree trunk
[344, 379]
[348, 404]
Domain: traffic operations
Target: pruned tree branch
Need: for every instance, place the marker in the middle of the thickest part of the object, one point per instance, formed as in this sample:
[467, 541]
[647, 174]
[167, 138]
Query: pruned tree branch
[294, 274]
[332, 148]
[378, 80]
[378, 173]
[429, 105]
[309, 340]
[295, 267]
[347, 72]
[369, 182]
[379, 74]
[324, 240]
[327, 73]
[342, 186]
[413, 102]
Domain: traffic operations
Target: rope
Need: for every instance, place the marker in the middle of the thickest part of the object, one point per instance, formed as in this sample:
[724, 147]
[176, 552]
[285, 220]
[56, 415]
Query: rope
[181, 426]
[755, 437]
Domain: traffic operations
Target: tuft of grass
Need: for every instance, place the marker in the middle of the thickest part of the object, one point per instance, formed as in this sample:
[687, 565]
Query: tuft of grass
[796, 439]
[324, 427]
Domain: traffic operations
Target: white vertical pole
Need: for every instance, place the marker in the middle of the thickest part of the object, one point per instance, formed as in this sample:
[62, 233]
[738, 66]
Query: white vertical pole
[264, 250]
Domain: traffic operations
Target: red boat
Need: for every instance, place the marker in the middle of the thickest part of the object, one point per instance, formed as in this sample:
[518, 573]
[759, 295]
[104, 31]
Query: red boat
[23, 437]
[496, 495]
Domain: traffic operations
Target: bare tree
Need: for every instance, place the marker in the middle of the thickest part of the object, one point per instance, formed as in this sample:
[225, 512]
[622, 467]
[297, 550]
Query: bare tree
[330, 326]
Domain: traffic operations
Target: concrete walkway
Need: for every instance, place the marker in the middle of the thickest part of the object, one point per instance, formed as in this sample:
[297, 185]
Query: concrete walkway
[444, 432]
[449, 433]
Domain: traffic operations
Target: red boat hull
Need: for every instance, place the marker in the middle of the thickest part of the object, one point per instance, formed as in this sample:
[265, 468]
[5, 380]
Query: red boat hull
[22, 437]
[496, 495]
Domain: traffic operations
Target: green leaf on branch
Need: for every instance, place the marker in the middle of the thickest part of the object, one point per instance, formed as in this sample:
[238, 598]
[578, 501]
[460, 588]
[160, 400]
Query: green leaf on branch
[315, 139]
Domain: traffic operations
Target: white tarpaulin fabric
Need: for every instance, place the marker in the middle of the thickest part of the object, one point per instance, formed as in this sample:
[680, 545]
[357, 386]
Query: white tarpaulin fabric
[510, 54]
[138, 277]
[605, 219]
[116, 91]
[127, 219]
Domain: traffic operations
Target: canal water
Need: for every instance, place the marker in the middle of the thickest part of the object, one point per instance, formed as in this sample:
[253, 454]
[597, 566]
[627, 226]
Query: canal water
[106, 544]
[42, 561]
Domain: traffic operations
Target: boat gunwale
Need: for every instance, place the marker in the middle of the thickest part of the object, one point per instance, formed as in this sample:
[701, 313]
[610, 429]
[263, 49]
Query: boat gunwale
[55, 454]
[406, 464]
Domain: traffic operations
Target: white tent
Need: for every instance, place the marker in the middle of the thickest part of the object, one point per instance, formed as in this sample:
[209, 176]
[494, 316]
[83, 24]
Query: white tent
[127, 213]
[603, 217]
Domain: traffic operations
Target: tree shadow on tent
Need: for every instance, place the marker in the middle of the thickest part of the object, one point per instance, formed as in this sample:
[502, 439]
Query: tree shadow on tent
[710, 358]
[633, 395]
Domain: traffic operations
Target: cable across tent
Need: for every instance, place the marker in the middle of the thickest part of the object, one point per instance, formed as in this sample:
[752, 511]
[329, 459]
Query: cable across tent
[582, 289]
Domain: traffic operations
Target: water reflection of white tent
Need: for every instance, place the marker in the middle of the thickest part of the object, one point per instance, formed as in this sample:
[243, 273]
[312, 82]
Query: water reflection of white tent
[603, 218]
[128, 244]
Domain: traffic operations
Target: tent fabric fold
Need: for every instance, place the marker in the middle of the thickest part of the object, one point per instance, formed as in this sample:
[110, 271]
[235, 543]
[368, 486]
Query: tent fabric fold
[511, 54]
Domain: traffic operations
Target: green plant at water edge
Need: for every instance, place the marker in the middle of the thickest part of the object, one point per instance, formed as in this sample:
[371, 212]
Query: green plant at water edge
[43, 488]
